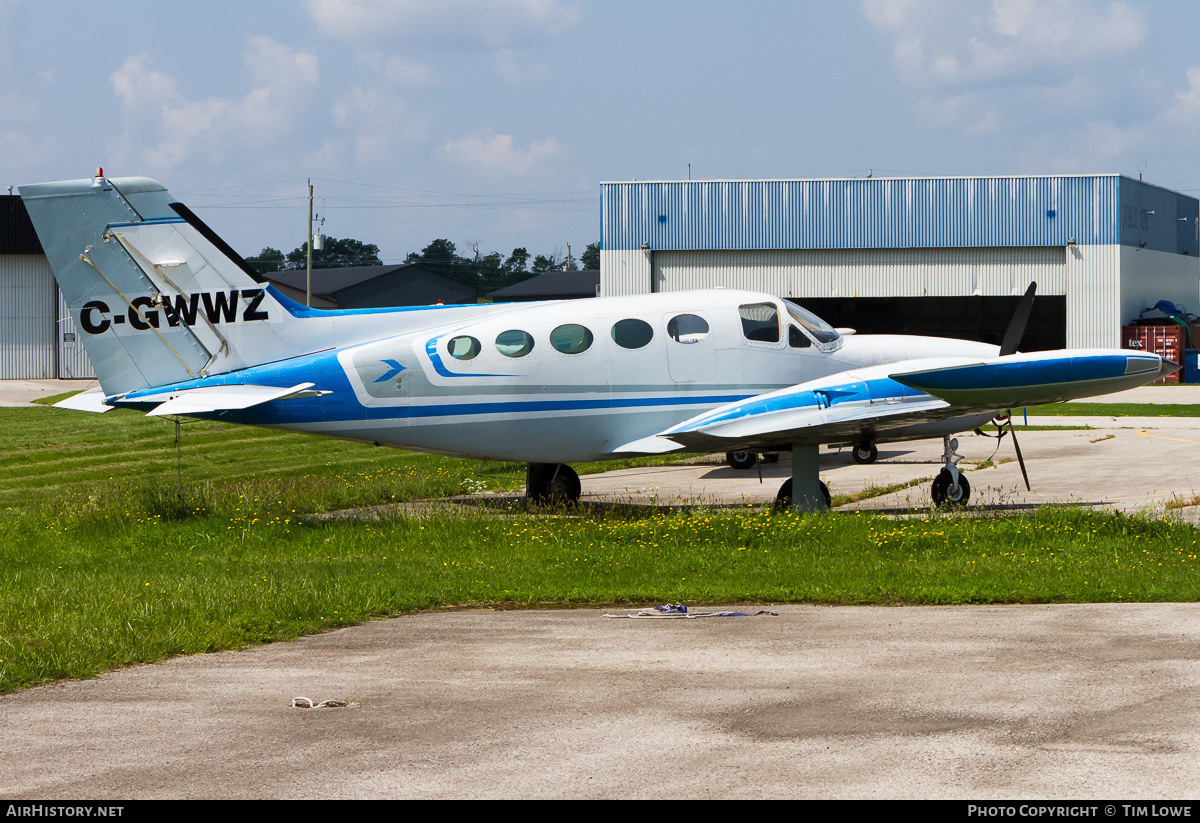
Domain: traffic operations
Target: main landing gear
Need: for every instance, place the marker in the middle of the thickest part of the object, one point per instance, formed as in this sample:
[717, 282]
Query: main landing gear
[741, 460]
[783, 499]
[951, 486]
[748, 460]
[547, 482]
[865, 452]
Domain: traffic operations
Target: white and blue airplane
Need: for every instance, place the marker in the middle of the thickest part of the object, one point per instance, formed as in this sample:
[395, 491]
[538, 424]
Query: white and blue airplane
[175, 323]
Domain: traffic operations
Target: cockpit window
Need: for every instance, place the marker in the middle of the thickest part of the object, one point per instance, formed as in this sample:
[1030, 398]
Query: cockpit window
[760, 322]
[514, 343]
[687, 328]
[798, 339]
[821, 331]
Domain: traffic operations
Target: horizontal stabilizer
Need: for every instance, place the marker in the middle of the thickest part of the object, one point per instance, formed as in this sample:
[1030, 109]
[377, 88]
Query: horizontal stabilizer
[224, 398]
[649, 445]
[91, 400]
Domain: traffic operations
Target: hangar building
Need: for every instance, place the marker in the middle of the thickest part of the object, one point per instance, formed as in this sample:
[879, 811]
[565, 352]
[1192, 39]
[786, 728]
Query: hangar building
[37, 335]
[945, 256]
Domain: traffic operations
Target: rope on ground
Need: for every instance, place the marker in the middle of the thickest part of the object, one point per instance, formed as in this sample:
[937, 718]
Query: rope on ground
[677, 611]
[297, 703]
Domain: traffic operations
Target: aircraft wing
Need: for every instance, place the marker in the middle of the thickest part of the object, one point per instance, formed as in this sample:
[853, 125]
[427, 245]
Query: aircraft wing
[886, 399]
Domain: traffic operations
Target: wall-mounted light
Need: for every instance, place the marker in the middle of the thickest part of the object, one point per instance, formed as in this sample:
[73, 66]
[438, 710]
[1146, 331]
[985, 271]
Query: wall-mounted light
[1071, 242]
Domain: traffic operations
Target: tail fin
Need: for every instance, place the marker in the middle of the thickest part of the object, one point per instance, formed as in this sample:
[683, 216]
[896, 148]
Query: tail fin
[157, 296]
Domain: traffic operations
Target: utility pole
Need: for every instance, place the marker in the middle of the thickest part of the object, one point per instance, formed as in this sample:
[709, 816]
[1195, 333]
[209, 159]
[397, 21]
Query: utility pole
[308, 279]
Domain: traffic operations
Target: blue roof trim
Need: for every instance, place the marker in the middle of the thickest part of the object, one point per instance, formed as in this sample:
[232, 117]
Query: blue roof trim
[941, 212]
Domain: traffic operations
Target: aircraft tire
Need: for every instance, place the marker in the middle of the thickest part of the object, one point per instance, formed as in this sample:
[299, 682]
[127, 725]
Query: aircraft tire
[741, 460]
[946, 493]
[543, 486]
[783, 500]
[865, 453]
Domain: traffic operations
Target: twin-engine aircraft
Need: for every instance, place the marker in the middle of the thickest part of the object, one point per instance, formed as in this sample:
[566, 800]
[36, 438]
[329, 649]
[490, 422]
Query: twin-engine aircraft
[176, 323]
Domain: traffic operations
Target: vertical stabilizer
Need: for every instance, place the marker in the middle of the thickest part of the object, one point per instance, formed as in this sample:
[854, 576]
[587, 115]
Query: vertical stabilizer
[157, 297]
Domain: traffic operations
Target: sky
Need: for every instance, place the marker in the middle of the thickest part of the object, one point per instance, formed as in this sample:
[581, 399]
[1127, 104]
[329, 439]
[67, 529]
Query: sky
[492, 123]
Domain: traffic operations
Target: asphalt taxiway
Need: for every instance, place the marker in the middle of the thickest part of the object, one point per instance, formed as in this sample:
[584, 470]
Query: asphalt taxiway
[1091, 701]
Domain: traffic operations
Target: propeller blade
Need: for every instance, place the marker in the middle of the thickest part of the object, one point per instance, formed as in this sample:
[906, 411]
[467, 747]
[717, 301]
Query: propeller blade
[1016, 326]
[1020, 459]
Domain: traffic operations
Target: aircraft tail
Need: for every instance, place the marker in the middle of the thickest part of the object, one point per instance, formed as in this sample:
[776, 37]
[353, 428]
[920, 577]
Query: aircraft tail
[157, 297]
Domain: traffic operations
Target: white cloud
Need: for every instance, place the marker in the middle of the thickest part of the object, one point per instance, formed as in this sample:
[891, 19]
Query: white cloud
[1096, 146]
[1188, 107]
[499, 155]
[945, 42]
[516, 70]
[165, 128]
[377, 121]
[488, 23]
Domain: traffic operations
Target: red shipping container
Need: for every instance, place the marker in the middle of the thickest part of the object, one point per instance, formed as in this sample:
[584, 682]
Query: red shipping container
[1165, 341]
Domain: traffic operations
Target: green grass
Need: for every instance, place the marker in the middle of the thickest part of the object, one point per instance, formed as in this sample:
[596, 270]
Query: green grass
[1112, 410]
[103, 563]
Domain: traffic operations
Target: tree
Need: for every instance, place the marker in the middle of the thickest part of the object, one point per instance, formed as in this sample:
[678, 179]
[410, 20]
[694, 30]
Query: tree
[337, 254]
[590, 259]
[518, 260]
[267, 260]
[542, 264]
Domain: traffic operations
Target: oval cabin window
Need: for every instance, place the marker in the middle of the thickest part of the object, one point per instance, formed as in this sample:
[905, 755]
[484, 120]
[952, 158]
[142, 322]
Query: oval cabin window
[464, 348]
[632, 333]
[571, 339]
[514, 343]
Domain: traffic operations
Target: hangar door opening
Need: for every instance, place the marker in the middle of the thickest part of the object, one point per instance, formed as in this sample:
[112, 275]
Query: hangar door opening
[983, 319]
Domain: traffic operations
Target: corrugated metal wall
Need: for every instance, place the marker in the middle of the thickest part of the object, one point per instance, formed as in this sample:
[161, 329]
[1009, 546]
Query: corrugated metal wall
[27, 314]
[38, 338]
[941, 212]
[72, 359]
[1158, 219]
[1094, 297]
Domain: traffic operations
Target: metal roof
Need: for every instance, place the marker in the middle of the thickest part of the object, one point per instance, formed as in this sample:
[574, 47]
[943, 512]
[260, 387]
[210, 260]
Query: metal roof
[16, 230]
[551, 285]
[906, 212]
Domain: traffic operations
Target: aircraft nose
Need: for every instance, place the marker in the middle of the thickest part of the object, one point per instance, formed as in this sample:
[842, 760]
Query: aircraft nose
[1167, 367]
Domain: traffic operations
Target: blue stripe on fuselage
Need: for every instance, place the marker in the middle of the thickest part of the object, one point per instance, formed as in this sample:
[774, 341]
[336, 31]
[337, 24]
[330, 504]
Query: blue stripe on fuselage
[436, 360]
[343, 405]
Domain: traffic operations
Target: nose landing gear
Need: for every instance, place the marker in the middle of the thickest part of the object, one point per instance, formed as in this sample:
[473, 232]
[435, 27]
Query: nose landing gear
[950, 486]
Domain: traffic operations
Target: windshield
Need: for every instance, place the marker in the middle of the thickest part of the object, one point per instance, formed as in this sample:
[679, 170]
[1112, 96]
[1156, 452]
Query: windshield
[821, 331]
